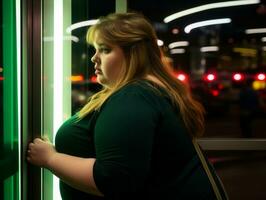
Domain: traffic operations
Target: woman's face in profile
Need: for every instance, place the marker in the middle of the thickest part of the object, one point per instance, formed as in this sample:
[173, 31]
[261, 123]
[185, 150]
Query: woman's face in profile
[108, 60]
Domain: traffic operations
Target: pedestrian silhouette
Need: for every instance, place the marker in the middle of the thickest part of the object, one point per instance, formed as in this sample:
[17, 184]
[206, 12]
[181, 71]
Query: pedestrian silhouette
[249, 106]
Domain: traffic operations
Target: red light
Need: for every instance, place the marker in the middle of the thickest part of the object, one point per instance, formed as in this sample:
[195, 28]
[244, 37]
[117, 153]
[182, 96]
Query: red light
[209, 77]
[1, 78]
[238, 77]
[93, 79]
[261, 77]
[215, 92]
[181, 77]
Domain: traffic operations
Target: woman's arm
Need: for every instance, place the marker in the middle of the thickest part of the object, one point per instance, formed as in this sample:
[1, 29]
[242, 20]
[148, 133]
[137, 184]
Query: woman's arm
[75, 171]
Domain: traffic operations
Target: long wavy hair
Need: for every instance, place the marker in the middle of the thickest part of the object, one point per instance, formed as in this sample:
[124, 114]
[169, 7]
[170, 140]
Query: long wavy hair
[133, 33]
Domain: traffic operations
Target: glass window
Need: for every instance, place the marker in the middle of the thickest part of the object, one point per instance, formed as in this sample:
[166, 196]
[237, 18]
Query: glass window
[243, 173]
[68, 71]
[223, 63]
[215, 77]
[83, 78]
[9, 131]
[1, 80]
[1, 97]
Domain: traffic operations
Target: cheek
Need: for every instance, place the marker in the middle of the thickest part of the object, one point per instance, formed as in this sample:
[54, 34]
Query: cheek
[113, 68]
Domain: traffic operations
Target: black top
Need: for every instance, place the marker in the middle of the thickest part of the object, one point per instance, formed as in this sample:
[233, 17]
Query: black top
[141, 146]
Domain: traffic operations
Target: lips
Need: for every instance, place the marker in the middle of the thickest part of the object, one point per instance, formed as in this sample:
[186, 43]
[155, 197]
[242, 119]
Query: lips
[98, 71]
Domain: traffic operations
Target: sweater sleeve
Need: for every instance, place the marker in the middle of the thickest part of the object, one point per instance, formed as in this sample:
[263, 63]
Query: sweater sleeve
[124, 134]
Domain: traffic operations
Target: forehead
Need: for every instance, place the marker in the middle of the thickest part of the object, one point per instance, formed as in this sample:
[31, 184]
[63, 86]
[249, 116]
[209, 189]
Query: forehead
[98, 39]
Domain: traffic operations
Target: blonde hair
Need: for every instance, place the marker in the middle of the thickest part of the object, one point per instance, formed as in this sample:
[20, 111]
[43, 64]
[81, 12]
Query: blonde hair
[138, 40]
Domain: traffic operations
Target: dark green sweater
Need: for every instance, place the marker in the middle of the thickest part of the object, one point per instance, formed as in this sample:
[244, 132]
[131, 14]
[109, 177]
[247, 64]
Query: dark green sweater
[142, 149]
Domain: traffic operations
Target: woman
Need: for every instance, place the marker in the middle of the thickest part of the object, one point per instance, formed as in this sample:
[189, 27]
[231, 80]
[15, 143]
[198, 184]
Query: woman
[133, 139]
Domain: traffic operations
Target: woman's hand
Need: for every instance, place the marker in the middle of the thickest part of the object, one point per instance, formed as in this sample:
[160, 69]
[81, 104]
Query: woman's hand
[40, 151]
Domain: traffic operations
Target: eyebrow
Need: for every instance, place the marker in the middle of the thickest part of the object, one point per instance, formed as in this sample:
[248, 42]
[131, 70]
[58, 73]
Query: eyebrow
[100, 44]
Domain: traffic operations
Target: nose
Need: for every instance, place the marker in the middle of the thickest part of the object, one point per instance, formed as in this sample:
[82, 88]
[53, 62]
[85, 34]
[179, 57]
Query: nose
[94, 58]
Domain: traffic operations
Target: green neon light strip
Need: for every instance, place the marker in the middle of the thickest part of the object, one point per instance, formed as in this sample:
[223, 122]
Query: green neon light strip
[11, 186]
[18, 40]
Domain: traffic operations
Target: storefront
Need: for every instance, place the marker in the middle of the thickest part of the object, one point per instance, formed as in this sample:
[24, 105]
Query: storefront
[44, 61]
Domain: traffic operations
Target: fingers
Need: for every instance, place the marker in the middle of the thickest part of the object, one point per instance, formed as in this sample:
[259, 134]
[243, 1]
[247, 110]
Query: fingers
[36, 141]
[32, 150]
[31, 145]
[45, 138]
[28, 156]
[42, 139]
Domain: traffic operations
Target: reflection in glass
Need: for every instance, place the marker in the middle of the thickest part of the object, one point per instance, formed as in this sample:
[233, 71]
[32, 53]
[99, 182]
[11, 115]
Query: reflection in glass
[9, 109]
[219, 60]
[233, 167]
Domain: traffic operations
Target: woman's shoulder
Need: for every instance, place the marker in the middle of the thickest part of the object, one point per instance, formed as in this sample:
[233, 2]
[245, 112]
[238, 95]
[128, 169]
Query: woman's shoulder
[142, 93]
[142, 87]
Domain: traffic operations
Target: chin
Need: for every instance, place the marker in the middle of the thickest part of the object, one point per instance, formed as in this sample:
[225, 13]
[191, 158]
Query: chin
[101, 81]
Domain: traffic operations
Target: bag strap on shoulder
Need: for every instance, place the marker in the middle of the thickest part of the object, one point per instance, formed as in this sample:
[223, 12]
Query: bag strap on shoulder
[207, 170]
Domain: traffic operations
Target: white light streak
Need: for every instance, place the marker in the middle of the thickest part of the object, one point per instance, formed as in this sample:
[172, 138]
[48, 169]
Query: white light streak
[255, 30]
[209, 48]
[178, 44]
[177, 51]
[81, 24]
[71, 37]
[208, 7]
[192, 26]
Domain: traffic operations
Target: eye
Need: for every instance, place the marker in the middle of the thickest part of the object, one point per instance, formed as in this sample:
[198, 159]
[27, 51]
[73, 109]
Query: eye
[104, 50]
